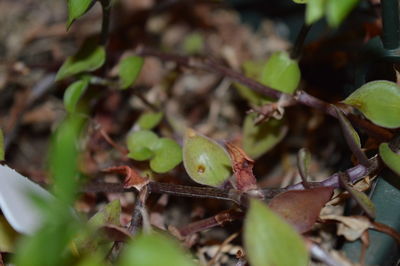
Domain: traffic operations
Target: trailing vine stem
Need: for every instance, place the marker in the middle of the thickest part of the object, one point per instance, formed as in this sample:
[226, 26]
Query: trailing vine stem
[105, 23]
[301, 97]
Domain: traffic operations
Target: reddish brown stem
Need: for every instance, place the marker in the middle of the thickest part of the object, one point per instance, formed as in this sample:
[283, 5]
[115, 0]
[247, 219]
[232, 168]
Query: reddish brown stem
[217, 220]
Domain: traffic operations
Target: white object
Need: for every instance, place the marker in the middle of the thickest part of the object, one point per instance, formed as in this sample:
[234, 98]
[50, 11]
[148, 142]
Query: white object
[16, 203]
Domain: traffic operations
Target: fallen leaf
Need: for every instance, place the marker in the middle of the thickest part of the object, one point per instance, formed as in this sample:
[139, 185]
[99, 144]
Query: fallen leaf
[132, 177]
[242, 168]
[301, 208]
[351, 227]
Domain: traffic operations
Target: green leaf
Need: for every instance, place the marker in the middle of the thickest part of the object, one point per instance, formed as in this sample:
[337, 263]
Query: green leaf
[92, 259]
[300, 1]
[390, 158]
[259, 139]
[337, 10]
[63, 158]
[303, 162]
[193, 43]
[364, 201]
[89, 58]
[1, 146]
[269, 240]
[129, 70]
[73, 93]
[205, 161]
[281, 73]
[8, 236]
[252, 70]
[76, 8]
[315, 10]
[110, 214]
[379, 102]
[167, 155]
[154, 249]
[140, 145]
[149, 120]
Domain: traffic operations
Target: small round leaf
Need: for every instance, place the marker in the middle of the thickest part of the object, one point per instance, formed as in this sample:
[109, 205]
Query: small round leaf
[390, 158]
[167, 155]
[129, 70]
[379, 102]
[315, 10]
[269, 240]
[281, 73]
[149, 120]
[73, 93]
[154, 249]
[140, 145]
[205, 161]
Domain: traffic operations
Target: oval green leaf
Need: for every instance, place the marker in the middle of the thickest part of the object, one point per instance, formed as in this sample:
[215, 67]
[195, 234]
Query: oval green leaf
[390, 158]
[73, 93]
[76, 8]
[140, 145]
[90, 57]
[149, 120]
[269, 240]
[1, 146]
[259, 139]
[379, 102]
[303, 162]
[129, 70]
[281, 73]
[337, 10]
[154, 249]
[167, 155]
[300, 1]
[315, 10]
[205, 161]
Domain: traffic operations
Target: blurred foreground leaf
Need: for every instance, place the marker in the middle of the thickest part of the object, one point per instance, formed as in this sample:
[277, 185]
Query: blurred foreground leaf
[154, 249]
[269, 240]
[73, 93]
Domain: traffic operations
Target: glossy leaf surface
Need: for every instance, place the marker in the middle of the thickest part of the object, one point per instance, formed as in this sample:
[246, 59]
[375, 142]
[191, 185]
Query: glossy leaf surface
[154, 249]
[205, 161]
[379, 102]
[301, 208]
[390, 158]
[73, 93]
[281, 73]
[90, 57]
[269, 240]
[129, 70]
[259, 139]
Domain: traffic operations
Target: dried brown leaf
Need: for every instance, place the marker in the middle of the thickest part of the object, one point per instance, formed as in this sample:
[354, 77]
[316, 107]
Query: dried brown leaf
[132, 177]
[301, 208]
[351, 227]
[242, 167]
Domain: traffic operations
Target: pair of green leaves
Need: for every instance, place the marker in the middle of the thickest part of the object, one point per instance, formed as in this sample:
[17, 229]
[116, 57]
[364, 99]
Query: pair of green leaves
[334, 10]
[164, 153]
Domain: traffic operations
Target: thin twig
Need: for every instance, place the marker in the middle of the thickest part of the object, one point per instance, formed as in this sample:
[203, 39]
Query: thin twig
[298, 45]
[105, 24]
